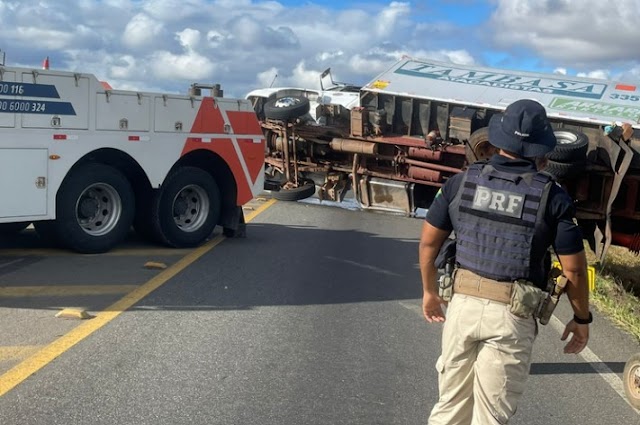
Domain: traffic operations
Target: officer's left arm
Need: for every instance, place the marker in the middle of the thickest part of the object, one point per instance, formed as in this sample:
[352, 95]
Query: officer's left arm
[431, 241]
[570, 249]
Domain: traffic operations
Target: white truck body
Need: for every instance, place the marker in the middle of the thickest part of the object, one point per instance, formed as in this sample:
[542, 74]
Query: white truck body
[51, 121]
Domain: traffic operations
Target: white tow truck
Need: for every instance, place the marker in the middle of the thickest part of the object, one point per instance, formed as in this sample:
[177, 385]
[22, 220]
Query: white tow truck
[84, 162]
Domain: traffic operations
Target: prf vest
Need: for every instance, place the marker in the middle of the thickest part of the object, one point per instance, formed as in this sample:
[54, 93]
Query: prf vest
[498, 217]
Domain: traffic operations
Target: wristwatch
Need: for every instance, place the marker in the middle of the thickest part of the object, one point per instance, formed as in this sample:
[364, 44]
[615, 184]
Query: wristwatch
[583, 321]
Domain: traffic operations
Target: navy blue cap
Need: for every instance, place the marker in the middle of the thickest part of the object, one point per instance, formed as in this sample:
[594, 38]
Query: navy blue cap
[523, 129]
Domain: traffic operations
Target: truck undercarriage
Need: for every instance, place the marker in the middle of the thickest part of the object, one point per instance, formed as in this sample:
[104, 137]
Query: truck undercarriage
[394, 152]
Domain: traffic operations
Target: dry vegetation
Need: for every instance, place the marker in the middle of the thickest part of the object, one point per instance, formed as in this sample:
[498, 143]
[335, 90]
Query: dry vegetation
[617, 292]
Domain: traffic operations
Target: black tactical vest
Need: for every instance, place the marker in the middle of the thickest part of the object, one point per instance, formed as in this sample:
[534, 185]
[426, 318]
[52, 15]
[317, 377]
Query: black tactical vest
[497, 218]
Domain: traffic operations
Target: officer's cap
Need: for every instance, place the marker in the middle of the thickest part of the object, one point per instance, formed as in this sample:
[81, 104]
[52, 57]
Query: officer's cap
[523, 129]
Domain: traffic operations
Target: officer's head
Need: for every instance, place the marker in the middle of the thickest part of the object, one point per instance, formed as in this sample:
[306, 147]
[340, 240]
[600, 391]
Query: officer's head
[523, 130]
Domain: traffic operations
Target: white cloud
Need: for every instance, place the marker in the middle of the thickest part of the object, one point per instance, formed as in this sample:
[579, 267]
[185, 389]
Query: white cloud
[600, 74]
[189, 66]
[141, 31]
[189, 38]
[569, 31]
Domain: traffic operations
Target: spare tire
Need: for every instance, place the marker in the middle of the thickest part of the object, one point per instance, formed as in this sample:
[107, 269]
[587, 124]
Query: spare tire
[561, 170]
[286, 108]
[478, 147]
[572, 146]
[305, 190]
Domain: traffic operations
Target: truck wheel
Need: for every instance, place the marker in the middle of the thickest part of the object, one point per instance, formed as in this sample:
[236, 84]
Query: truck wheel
[95, 208]
[13, 228]
[307, 189]
[187, 208]
[560, 170]
[478, 146]
[631, 380]
[286, 108]
[572, 146]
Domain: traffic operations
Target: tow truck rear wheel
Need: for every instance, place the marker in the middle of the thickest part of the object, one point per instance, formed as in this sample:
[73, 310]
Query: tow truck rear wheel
[631, 380]
[94, 211]
[187, 208]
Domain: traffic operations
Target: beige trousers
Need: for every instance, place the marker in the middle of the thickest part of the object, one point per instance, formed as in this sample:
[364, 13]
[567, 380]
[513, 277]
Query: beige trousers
[486, 355]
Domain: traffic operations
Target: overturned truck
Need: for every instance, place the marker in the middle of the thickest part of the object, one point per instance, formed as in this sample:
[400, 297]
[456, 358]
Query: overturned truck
[396, 140]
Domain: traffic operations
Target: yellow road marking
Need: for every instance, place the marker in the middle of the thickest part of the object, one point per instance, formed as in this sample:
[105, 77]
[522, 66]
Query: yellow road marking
[28, 367]
[122, 252]
[63, 291]
[17, 352]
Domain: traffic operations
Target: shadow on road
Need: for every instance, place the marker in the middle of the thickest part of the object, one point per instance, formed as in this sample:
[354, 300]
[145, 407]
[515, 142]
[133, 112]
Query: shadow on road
[572, 368]
[283, 265]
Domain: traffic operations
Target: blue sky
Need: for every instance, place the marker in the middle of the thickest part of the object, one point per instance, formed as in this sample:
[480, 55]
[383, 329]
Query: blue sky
[165, 45]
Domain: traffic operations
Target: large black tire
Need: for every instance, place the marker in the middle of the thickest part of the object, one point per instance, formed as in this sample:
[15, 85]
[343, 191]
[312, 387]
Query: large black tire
[94, 209]
[572, 146]
[631, 380]
[561, 170]
[286, 108]
[478, 147]
[304, 191]
[7, 229]
[187, 208]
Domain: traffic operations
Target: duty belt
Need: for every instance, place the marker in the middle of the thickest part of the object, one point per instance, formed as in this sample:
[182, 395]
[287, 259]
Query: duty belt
[468, 283]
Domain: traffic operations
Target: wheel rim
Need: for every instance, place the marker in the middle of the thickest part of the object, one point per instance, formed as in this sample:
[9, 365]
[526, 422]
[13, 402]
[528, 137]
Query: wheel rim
[286, 102]
[98, 209]
[191, 208]
[565, 137]
[634, 382]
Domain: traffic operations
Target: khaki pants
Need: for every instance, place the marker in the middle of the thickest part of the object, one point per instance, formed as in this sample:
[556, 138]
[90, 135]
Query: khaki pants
[486, 355]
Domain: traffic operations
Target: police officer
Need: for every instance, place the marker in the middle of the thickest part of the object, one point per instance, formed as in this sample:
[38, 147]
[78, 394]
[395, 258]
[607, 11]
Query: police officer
[505, 216]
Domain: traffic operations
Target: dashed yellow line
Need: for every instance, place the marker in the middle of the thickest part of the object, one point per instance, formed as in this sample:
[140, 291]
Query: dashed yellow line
[23, 370]
[64, 291]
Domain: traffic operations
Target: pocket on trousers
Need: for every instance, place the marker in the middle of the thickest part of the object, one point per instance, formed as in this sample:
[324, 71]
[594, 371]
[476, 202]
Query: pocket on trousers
[524, 299]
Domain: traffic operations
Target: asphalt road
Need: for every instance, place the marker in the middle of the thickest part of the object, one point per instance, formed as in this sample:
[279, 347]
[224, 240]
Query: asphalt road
[313, 319]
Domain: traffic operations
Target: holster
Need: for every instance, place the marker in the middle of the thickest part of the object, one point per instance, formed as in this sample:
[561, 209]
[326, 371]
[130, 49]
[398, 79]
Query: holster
[551, 297]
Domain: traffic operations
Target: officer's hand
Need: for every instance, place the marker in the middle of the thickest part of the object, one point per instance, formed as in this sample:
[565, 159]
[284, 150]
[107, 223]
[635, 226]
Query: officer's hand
[578, 340]
[432, 307]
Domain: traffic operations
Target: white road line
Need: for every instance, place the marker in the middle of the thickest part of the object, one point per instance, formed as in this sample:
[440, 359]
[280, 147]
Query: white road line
[11, 262]
[598, 365]
[609, 376]
[364, 266]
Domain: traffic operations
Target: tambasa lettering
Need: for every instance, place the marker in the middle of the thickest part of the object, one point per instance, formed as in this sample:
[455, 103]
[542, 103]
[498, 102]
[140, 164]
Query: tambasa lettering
[513, 82]
[498, 201]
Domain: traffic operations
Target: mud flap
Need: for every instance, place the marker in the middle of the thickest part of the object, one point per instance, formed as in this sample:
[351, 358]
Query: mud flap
[234, 225]
[618, 153]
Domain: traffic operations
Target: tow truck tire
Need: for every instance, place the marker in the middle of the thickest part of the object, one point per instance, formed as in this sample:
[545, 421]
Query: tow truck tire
[13, 228]
[631, 380]
[478, 147]
[187, 208]
[95, 209]
[306, 190]
[286, 108]
[572, 146]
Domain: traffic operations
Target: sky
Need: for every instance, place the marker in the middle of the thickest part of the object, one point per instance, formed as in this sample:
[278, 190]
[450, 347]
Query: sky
[165, 45]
